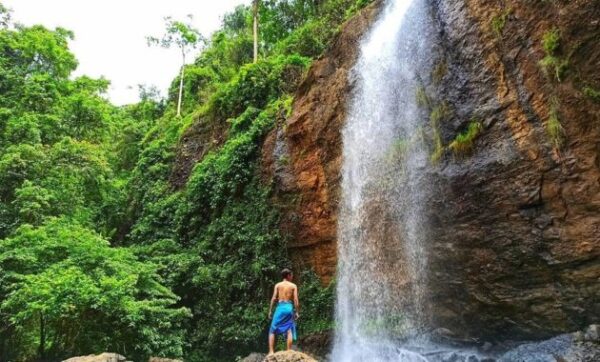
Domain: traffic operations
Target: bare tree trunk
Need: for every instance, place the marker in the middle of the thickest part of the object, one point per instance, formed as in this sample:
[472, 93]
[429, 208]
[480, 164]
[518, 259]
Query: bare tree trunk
[42, 346]
[255, 11]
[181, 86]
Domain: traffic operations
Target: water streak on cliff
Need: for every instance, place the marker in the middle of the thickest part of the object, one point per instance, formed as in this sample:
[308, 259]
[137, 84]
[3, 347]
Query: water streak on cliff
[381, 226]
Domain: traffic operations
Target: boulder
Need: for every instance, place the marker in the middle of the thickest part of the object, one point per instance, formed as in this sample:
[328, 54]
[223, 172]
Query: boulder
[289, 356]
[104, 357]
[254, 357]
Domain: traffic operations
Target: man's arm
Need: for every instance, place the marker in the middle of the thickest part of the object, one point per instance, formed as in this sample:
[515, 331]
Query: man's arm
[296, 302]
[273, 299]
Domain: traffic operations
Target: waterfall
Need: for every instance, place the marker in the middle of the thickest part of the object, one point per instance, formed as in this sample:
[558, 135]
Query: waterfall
[382, 271]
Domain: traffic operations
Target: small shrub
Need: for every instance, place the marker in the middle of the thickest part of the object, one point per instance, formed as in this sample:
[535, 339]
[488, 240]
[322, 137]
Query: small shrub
[554, 128]
[554, 66]
[421, 97]
[398, 149]
[317, 304]
[438, 151]
[499, 22]
[439, 72]
[439, 112]
[592, 93]
[551, 41]
[551, 64]
[256, 85]
[309, 40]
[463, 143]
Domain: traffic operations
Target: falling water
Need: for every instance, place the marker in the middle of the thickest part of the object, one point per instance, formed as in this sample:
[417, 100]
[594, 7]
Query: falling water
[382, 271]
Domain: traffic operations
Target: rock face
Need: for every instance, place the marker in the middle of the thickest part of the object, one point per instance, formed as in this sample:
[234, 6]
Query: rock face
[311, 145]
[514, 247]
[514, 235]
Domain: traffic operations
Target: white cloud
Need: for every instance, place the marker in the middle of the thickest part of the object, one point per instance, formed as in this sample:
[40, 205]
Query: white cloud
[110, 36]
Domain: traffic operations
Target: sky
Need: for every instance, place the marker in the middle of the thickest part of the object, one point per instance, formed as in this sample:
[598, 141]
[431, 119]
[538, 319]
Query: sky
[110, 36]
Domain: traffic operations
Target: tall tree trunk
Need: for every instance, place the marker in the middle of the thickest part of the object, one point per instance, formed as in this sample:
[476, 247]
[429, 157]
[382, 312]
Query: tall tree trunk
[255, 11]
[42, 346]
[181, 86]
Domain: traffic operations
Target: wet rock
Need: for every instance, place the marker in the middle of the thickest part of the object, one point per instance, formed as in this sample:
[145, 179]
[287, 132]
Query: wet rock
[592, 333]
[564, 348]
[289, 356]
[318, 344]
[453, 357]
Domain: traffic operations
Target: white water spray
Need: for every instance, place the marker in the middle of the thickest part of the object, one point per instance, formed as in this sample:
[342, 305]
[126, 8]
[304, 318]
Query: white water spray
[382, 265]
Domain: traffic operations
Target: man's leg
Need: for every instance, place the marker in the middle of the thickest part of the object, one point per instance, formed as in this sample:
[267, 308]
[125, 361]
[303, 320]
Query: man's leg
[271, 343]
[290, 340]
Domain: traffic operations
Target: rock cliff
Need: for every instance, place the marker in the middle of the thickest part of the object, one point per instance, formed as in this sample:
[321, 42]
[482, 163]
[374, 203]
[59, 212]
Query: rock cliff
[514, 235]
[309, 143]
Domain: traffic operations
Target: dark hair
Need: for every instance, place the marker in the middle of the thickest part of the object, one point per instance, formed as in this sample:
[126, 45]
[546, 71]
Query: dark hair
[285, 273]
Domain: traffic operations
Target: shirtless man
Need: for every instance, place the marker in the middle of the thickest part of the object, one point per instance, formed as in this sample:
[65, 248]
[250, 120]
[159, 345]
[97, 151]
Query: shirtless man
[286, 294]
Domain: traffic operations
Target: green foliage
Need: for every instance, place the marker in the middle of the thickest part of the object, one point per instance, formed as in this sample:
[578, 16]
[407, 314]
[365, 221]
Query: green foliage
[422, 98]
[498, 22]
[241, 252]
[551, 64]
[79, 177]
[218, 177]
[592, 93]
[183, 35]
[462, 145]
[438, 113]
[256, 85]
[439, 72]
[551, 41]
[309, 40]
[61, 284]
[63, 287]
[554, 128]
[317, 304]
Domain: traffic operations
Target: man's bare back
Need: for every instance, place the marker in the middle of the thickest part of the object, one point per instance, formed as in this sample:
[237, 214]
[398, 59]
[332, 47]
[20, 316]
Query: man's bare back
[285, 291]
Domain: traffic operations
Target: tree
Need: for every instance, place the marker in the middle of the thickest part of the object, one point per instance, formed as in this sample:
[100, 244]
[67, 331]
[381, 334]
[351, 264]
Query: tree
[255, 6]
[65, 291]
[5, 16]
[185, 37]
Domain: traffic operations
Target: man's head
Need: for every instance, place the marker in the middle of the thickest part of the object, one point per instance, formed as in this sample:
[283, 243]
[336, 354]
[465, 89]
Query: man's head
[287, 274]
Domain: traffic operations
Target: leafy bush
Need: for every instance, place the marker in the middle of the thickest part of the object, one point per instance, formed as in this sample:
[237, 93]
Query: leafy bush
[317, 304]
[499, 21]
[554, 128]
[592, 93]
[309, 40]
[257, 85]
[463, 143]
[551, 64]
[62, 274]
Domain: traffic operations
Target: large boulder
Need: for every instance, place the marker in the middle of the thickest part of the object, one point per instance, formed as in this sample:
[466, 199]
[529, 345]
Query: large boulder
[254, 357]
[289, 356]
[104, 357]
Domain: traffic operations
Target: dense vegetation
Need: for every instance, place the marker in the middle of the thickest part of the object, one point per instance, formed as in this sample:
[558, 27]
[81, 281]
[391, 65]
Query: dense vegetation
[98, 249]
